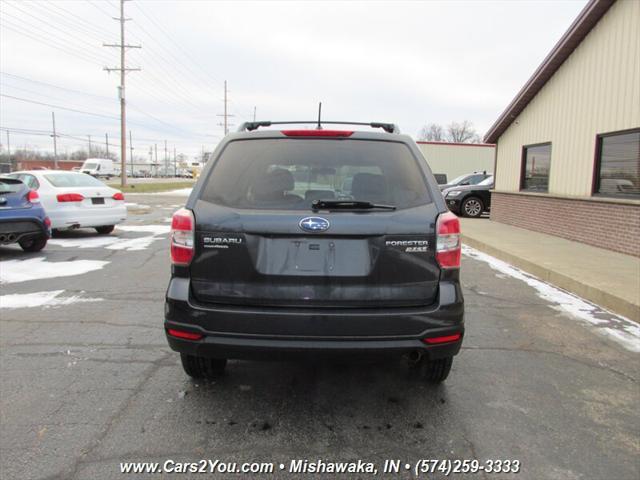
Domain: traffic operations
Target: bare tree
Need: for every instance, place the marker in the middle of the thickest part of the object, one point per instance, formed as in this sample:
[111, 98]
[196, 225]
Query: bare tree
[462, 132]
[431, 133]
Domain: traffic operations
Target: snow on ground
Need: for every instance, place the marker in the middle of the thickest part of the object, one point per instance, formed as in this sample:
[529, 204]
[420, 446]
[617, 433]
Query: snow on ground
[41, 299]
[618, 328]
[182, 192]
[14, 271]
[136, 205]
[113, 242]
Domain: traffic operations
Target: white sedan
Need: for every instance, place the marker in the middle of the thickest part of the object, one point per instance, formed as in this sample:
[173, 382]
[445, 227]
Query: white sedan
[76, 200]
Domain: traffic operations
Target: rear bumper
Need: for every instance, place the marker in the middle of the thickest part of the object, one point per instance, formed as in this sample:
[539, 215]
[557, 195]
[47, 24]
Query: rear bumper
[12, 230]
[270, 333]
[82, 217]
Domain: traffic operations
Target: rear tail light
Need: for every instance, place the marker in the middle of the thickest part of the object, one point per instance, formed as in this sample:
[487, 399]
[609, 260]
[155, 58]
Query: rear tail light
[70, 197]
[47, 222]
[445, 339]
[33, 197]
[118, 196]
[185, 335]
[317, 133]
[182, 235]
[448, 245]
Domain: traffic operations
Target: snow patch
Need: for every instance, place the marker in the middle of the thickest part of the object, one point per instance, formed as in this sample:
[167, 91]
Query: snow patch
[41, 299]
[182, 192]
[618, 328]
[113, 242]
[14, 271]
[154, 229]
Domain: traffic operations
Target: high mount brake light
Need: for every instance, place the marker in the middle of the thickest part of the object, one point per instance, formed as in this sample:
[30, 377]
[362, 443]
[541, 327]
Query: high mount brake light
[33, 197]
[448, 245]
[70, 197]
[317, 133]
[182, 237]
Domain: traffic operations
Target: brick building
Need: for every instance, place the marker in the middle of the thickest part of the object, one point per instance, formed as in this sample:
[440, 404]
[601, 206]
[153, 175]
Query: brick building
[568, 145]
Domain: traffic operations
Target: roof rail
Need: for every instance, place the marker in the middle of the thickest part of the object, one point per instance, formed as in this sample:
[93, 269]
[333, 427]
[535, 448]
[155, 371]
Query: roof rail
[250, 126]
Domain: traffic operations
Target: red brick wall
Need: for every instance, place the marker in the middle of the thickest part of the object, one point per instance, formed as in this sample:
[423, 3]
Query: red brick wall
[612, 226]
[49, 164]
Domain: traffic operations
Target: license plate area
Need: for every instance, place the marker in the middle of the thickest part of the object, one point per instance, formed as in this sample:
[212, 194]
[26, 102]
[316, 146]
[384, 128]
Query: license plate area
[313, 257]
[97, 201]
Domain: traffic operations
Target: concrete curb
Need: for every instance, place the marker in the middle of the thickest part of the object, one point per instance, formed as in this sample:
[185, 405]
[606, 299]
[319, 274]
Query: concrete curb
[596, 295]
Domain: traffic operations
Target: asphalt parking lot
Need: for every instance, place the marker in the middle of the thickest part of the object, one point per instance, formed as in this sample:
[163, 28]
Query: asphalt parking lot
[87, 379]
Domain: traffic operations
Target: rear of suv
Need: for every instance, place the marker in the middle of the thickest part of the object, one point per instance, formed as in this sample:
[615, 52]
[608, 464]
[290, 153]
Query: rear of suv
[313, 243]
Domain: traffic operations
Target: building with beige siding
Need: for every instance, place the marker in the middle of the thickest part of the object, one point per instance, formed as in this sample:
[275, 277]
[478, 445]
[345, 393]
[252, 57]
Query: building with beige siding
[455, 159]
[568, 145]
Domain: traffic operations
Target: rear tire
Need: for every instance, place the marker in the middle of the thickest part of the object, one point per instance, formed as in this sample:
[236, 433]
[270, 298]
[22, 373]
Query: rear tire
[472, 207]
[436, 371]
[203, 368]
[106, 230]
[33, 244]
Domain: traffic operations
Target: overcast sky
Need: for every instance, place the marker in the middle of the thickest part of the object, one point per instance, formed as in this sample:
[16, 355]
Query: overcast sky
[406, 62]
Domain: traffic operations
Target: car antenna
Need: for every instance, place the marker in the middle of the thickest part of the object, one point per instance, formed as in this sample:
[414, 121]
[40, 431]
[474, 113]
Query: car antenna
[319, 115]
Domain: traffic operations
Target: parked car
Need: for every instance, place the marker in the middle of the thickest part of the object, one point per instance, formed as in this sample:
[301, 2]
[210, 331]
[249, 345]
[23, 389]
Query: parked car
[23, 220]
[99, 167]
[470, 200]
[466, 179]
[76, 200]
[265, 267]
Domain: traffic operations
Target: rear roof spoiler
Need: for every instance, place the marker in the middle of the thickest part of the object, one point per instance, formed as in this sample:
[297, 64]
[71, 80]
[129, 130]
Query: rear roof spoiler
[250, 126]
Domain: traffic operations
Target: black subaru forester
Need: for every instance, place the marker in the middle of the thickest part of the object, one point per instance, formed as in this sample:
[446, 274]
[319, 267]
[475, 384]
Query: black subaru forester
[312, 243]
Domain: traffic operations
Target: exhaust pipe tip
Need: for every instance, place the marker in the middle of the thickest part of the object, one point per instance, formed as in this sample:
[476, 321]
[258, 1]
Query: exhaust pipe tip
[11, 237]
[414, 357]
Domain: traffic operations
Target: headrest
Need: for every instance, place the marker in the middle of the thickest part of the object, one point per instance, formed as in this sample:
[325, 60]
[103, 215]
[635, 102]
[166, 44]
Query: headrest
[273, 184]
[368, 186]
[319, 195]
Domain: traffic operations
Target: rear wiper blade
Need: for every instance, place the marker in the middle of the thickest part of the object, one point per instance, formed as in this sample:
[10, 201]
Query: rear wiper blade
[348, 205]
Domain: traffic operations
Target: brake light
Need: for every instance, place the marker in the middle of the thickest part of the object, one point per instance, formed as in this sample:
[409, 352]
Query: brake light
[317, 133]
[118, 196]
[70, 197]
[182, 235]
[33, 197]
[47, 222]
[446, 339]
[185, 335]
[448, 245]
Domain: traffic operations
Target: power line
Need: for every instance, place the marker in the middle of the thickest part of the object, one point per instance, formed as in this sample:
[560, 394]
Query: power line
[59, 107]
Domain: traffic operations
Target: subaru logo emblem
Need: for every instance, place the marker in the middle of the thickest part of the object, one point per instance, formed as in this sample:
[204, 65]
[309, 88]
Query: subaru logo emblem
[314, 224]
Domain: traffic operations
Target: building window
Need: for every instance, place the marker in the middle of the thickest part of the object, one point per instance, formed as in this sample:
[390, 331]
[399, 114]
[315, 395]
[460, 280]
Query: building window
[536, 161]
[618, 164]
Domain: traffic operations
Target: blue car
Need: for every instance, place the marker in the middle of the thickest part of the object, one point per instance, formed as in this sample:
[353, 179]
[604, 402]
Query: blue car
[22, 218]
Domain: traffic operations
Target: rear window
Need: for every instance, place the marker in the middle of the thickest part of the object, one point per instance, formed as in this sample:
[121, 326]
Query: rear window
[9, 185]
[292, 173]
[73, 180]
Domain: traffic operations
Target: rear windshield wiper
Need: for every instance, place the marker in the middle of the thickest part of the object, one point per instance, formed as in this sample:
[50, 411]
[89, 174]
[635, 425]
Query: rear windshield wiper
[348, 205]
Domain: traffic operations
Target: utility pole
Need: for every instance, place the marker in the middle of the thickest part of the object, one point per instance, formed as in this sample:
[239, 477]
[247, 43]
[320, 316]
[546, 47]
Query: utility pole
[175, 166]
[254, 113]
[89, 137]
[131, 150]
[226, 113]
[156, 162]
[121, 90]
[55, 142]
[166, 160]
[106, 142]
[8, 147]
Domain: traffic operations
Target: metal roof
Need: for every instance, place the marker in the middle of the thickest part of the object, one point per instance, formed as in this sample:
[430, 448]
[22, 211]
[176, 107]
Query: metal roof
[579, 29]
